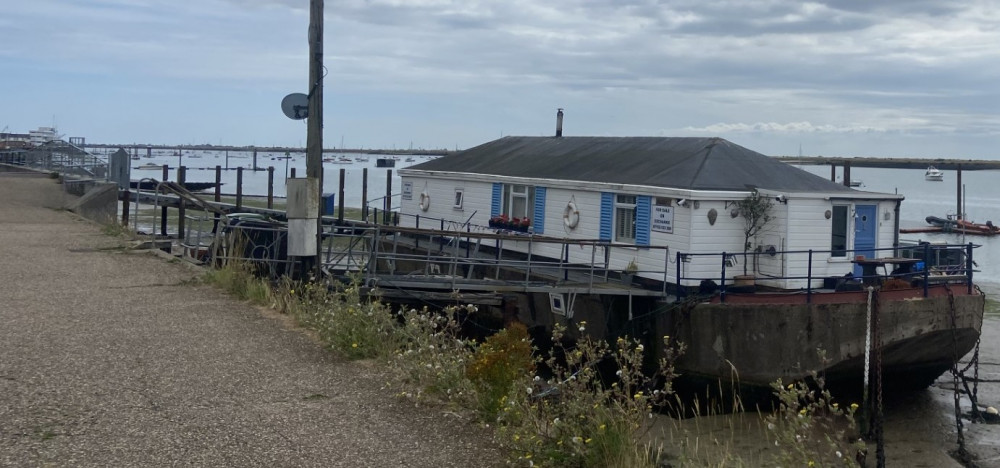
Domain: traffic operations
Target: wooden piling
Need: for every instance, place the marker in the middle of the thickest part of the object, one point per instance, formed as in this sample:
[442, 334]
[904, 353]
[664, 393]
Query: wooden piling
[239, 187]
[340, 197]
[847, 174]
[218, 195]
[125, 201]
[181, 211]
[270, 187]
[958, 191]
[364, 194]
[388, 195]
[163, 210]
[833, 173]
[293, 173]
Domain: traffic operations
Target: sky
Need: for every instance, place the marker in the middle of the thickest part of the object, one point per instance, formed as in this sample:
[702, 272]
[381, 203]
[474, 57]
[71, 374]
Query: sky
[893, 78]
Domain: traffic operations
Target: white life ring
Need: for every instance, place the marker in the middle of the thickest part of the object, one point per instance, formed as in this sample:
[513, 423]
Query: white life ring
[571, 215]
[425, 201]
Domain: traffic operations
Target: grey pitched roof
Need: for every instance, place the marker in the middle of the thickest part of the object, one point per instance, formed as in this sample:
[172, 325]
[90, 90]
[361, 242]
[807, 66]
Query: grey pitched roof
[674, 162]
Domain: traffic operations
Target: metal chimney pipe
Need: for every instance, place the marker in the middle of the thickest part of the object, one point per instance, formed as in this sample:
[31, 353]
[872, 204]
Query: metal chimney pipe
[559, 116]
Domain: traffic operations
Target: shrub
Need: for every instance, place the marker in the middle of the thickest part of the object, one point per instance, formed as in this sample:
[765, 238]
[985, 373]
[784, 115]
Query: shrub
[500, 361]
[575, 418]
[810, 429]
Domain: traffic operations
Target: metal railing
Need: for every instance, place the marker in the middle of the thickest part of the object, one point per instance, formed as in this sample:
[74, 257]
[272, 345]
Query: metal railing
[958, 266]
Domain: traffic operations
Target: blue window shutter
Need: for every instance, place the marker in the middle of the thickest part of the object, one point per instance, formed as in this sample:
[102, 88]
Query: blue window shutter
[539, 221]
[496, 202]
[607, 209]
[642, 217]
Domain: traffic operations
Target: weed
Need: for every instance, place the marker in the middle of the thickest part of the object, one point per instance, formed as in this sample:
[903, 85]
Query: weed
[576, 418]
[810, 429]
[496, 365]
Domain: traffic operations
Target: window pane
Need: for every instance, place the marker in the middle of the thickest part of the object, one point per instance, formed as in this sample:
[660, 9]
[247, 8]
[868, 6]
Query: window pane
[838, 239]
[519, 207]
[625, 224]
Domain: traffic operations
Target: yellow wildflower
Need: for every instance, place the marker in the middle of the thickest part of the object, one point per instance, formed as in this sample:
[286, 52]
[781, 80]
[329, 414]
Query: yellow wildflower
[354, 345]
[854, 406]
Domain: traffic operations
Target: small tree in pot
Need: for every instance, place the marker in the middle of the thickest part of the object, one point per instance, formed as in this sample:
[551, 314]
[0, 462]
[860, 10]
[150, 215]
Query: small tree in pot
[756, 212]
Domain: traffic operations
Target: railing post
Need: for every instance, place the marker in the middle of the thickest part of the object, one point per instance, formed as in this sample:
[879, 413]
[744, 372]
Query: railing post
[416, 238]
[441, 238]
[527, 271]
[680, 291]
[809, 277]
[722, 283]
[666, 268]
[968, 266]
[468, 241]
[927, 265]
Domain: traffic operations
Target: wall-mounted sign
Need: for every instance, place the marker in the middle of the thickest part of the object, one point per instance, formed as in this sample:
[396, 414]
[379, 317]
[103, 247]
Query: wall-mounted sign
[663, 219]
[407, 190]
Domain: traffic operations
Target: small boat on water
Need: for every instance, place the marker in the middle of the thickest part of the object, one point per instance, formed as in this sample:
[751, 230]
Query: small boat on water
[385, 162]
[410, 159]
[933, 174]
[853, 183]
[149, 167]
[954, 224]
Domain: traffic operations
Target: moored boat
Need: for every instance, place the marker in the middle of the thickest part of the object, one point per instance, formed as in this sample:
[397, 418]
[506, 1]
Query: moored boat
[933, 174]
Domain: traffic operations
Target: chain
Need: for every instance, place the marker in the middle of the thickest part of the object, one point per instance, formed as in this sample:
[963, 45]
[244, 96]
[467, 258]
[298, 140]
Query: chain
[877, 338]
[868, 345]
[962, 454]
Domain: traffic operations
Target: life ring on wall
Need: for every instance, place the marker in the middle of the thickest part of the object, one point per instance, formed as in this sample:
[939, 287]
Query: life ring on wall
[425, 201]
[571, 215]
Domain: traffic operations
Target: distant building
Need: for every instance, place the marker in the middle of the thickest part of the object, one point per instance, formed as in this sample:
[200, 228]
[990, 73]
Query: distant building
[15, 140]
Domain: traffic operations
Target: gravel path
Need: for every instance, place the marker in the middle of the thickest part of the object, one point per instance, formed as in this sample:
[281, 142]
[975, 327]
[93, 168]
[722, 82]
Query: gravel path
[112, 359]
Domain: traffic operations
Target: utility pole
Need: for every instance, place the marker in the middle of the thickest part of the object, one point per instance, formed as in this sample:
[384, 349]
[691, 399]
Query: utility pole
[314, 135]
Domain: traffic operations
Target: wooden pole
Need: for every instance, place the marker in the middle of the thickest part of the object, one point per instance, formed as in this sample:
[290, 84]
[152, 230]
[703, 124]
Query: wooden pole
[833, 172]
[163, 210]
[340, 197]
[125, 200]
[958, 192]
[314, 131]
[181, 211]
[218, 195]
[270, 187]
[847, 174]
[239, 187]
[364, 194]
[293, 173]
[388, 195]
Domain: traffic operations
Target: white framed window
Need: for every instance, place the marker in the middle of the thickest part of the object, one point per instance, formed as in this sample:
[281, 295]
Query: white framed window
[625, 218]
[459, 198]
[518, 201]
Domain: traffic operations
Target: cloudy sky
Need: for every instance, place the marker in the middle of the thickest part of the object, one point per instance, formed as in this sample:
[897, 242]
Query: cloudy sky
[848, 78]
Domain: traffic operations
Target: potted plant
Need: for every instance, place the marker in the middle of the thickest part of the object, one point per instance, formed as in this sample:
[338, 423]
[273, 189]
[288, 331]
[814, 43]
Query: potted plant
[628, 274]
[756, 212]
[524, 224]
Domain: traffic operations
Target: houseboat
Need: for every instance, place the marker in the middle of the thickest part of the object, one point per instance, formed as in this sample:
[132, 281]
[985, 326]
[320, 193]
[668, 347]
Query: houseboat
[666, 212]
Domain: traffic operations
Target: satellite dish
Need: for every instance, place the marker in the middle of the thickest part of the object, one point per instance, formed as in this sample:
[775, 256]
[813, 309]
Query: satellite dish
[295, 106]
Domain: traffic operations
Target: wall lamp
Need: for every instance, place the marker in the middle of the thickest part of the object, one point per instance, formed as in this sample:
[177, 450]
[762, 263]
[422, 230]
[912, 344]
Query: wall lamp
[781, 199]
[683, 202]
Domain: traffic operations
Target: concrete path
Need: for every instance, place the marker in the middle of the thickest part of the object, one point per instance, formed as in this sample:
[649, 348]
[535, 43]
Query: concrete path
[111, 359]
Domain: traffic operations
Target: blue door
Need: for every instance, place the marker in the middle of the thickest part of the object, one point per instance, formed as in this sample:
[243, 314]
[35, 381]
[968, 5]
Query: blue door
[865, 229]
